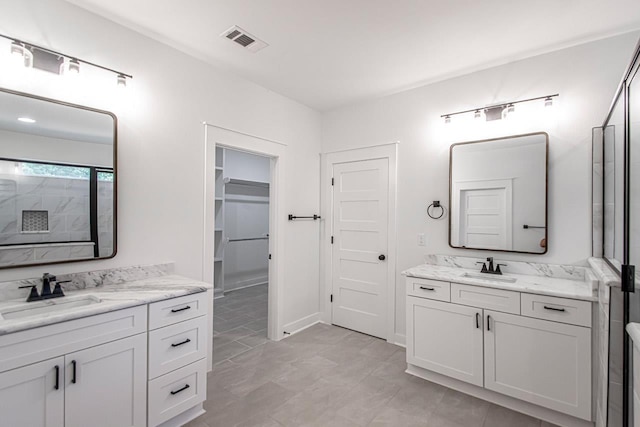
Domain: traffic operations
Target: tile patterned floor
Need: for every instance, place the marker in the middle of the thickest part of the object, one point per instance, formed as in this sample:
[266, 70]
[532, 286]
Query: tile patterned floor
[329, 376]
[239, 322]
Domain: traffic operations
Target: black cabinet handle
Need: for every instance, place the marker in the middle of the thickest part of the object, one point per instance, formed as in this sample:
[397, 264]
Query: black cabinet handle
[488, 323]
[427, 289]
[73, 371]
[186, 386]
[553, 308]
[181, 343]
[382, 257]
[57, 385]
[181, 309]
[477, 320]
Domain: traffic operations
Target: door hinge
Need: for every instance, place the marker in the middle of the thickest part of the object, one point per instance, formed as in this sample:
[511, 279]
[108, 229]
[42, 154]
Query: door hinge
[628, 278]
[332, 181]
[332, 240]
[331, 298]
[269, 256]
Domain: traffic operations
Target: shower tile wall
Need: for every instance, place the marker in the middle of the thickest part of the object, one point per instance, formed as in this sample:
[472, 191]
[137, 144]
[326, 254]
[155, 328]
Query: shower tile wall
[66, 200]
[105, 218]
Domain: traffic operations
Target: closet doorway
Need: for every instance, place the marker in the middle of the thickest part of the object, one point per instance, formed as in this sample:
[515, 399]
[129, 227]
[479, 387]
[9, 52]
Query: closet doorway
[241, 251]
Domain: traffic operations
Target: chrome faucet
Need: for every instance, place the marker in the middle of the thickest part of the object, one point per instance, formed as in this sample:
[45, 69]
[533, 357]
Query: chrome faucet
[490, 269]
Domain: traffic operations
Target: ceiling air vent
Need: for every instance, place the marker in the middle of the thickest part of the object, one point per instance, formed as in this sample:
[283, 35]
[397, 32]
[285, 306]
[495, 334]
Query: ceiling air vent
[244, 39]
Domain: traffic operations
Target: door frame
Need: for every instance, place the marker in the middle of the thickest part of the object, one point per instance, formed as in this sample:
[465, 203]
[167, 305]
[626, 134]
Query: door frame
[227, 138]
[385, 151]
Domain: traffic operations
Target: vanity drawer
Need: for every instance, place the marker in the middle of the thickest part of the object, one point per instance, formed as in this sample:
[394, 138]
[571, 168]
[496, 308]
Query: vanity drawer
[427, 288]
[176, 392]
[168, 312]
[489, 298]
[574, 312]
[177, 345]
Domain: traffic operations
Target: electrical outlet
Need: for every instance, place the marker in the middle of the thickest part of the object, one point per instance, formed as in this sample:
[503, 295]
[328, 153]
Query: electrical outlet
[421, 239]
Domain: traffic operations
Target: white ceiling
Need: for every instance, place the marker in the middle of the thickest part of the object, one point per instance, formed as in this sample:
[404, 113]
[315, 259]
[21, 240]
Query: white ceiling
[328, 53]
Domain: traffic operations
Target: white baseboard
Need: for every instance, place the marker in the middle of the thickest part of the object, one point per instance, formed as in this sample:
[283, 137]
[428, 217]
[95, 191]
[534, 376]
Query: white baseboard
[301, 324]
[246, 284]
[527, 408]
[399, 340]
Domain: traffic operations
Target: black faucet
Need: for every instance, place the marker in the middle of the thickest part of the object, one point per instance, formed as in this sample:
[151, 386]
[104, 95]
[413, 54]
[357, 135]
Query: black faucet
[490, 269]
[46, 293]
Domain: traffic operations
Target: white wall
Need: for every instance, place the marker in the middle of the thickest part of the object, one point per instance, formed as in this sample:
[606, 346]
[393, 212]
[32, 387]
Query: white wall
[161, 140]
[585, 76]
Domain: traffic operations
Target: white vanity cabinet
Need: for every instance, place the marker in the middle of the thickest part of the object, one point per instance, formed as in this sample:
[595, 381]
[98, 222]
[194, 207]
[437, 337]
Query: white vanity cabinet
[445, 338]
[29, 395]
[503, 341]
[143, 366]
[105, 385]
[90, 383]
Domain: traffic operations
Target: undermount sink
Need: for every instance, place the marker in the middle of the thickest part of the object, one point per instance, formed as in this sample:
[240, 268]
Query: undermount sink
[490, 277]
[30, 309]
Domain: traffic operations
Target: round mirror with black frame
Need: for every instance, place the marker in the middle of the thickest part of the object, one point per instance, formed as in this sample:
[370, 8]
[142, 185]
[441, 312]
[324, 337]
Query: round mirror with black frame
[58, 177]
[498, 194]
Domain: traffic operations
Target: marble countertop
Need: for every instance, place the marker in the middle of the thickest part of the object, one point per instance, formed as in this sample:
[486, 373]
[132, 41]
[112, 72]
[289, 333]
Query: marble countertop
[605, 272]
[552, 286]
[112, 297]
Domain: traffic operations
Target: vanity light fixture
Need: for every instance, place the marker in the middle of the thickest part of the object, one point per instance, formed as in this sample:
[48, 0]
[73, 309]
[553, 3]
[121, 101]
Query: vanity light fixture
[499, 111]
[30, 55]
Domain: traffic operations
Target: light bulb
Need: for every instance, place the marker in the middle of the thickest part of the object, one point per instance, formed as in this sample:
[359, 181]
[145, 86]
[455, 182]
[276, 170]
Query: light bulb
[548, 102]
[122, 81]
[511, 108]
[447, 119]
[477, 114]
[17, 53]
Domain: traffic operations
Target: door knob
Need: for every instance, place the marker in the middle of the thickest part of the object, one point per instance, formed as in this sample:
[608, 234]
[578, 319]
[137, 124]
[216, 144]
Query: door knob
[382, 257]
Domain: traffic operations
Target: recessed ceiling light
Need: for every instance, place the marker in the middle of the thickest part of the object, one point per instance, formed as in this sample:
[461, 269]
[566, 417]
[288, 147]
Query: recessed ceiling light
[26, 120]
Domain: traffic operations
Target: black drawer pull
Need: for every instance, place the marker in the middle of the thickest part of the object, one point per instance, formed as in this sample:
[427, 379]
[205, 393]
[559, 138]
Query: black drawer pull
[477, 320]
[181, 343]
[181, 309]
[427, 289]
[488, 323]
[57, 385]
[186, 386]
[553, 308]
[73, 374]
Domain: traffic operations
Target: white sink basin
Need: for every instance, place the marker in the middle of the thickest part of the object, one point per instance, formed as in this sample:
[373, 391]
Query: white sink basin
[490, 277]
[30, 309]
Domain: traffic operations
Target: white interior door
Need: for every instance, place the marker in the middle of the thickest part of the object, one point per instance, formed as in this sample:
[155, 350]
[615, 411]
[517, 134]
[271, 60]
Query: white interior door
[484, 218]
[359, 252]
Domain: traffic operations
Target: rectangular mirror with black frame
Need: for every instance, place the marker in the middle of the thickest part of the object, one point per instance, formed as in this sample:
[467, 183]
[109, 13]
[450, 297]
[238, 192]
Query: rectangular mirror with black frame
[498, 194]
[57, 181]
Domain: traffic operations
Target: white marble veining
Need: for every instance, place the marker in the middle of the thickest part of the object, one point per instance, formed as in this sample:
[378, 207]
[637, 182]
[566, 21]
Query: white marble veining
[112, 297]
[604, 273]
[542, 285]
[86, 280]
[570, 272]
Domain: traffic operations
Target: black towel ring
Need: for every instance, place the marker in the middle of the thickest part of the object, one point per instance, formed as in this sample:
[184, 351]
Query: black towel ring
[435, 204]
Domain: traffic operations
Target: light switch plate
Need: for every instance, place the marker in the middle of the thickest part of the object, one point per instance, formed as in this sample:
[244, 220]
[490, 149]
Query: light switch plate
[421, 239]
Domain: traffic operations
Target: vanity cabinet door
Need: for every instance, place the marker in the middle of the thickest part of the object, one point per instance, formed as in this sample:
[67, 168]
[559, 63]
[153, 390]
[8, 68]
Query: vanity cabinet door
[106, 385]
[33, 396]
[445, 338]
[539, 361]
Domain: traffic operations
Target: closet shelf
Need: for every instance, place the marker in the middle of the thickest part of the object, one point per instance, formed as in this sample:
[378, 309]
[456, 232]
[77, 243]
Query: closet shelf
[235, 181]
